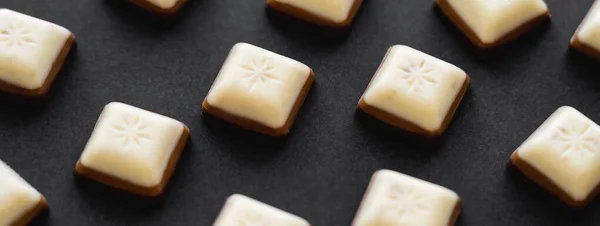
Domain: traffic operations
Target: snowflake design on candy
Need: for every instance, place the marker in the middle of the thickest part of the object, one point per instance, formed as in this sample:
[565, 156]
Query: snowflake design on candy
[417, 75]
[131, 132]
[576, 139]
[404, 200]
[259, 72]
[16, 35]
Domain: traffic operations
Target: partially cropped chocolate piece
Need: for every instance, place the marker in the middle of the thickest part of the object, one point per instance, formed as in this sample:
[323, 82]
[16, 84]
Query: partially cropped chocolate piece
[331, 13]
[161, 6]
[19, 202]
[32, 52]
[488, 23]
[563, 156]
[586, 37]
[394, 198]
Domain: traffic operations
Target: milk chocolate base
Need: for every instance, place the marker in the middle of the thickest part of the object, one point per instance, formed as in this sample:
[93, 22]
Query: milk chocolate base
[153, 8]
[451, 221]
[542, 180]
[43, 90]
[584, 48]
[32, 214]
[467, 31]
[256, 126]
[153, 191]
[407, 125]
[312, 18]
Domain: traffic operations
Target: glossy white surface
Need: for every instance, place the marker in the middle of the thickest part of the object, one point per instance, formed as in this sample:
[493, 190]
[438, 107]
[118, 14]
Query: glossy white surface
[333, 10]
[132, 144]
[17, 197]
[415, 86]
[566, 149]
[589, 30]
[259, 85]
[397, 199]
[493, 19]
[28, 48]
[240, 210]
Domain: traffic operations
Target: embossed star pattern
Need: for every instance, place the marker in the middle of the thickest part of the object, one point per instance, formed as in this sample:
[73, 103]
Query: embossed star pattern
[576, 138]
[16, 35]
[404, 200]
[132, 131]
[259, 72]
[417, 76]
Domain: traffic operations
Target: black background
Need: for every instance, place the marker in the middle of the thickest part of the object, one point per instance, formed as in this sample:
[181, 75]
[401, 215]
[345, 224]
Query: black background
[320, 171]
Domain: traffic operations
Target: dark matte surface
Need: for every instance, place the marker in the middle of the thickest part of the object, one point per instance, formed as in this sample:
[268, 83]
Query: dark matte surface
[322, 169]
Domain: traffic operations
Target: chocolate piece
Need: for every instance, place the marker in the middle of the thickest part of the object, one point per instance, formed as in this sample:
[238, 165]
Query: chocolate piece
[491, 23]
[32, 51]
[259, 90]
[585, 38]
[415, 91]
[393, 198]
[563, 156]
[167, 7]
[133, 149]
[241, 210]
[335, 13]
[20, 203]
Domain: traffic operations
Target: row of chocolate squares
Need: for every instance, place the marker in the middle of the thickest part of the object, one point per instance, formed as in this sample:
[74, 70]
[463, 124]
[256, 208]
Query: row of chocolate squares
[391, 198]
[487, 24]
[137, 151]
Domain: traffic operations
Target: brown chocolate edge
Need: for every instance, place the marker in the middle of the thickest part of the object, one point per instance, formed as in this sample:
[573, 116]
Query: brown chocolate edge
[585, 49]
[310, 17]
[451, 220]
[256, 126]
[542, 180]
[467, 31]
[32, 214]
[43, 90]
[151, 7]
[153, 191]
[409, 126]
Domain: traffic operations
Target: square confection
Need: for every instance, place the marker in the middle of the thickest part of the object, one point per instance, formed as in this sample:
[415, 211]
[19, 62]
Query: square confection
[19, 201]
[397, 199]
[563, 156]
[161, 6]
[133, 149]
[415, 91]
[332, 13]
[488, 23]
[243, 211]
[259, 90]
[32, 51]
[586, 38]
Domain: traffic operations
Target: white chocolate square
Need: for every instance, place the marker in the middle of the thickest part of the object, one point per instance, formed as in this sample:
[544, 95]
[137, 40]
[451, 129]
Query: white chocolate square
[243, 211]
[566, 149]
[164, 4]
[491, 20]
[259, 85]
[132, 144]
[334, 10]
[17, 197]
[28, 48]
[589, 30]
[416, 87]
[397, 199]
